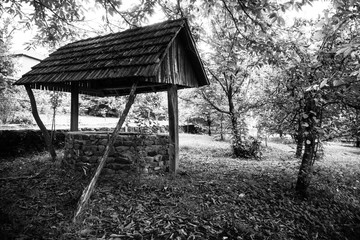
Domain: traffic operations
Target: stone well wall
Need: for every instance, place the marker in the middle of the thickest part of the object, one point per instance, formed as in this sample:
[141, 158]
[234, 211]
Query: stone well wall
[132, 151]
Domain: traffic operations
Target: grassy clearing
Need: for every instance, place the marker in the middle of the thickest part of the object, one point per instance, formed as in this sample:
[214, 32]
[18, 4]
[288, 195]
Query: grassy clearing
[213, 197]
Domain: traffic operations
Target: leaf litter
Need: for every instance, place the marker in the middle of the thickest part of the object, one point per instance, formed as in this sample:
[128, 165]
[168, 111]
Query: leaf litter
[214, 196]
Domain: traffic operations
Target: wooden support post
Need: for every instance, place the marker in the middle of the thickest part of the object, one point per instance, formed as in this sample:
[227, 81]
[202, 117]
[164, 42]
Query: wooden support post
[90, 188]
[41, 125]
[173, 128]
[74, 118]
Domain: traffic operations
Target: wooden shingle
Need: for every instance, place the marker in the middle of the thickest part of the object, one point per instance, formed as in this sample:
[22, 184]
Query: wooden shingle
[157, 56]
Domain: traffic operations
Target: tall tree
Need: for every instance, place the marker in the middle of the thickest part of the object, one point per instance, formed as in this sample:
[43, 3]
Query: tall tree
[7, 69]
[335, 64]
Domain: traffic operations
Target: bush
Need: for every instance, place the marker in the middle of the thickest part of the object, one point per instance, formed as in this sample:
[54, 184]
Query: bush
[7, 108]
[247, 148]
[22, 118]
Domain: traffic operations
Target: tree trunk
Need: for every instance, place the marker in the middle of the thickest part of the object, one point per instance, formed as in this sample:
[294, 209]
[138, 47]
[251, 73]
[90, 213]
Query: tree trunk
[357, 143]
[222, 127]
[90, 188]
[299, 140]
[305, 173]
[209, 121]
[280, 133]
[233, 118]
[41, 125]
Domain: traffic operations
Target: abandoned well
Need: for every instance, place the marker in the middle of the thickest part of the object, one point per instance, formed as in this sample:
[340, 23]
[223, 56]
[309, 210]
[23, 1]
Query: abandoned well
[147, 153]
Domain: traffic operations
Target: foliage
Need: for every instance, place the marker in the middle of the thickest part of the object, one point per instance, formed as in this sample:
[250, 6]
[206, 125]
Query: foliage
[234, 78]
[11, 108]
[101, 106]
[247, 148]
[56, 21]
[150, 106]
[214, 197]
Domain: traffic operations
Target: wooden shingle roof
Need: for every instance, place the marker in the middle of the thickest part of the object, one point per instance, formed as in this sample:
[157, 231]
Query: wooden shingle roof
[155, 55]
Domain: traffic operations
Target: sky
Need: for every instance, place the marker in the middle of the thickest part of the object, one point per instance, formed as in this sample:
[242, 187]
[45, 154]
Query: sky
[307, 12]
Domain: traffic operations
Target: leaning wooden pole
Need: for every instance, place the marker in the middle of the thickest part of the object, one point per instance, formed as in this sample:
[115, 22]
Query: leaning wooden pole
[41, 125]
[90, 188]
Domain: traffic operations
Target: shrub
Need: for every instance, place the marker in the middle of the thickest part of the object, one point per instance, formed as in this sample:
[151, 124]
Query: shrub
[22, 118]
[247, 148]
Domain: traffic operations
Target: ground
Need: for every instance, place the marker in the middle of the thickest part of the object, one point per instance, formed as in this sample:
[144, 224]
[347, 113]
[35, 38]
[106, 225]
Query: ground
[214, 196]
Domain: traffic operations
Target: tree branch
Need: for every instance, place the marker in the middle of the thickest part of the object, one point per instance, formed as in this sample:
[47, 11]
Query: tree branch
[212, 104]
[120, 13]
[218, 80]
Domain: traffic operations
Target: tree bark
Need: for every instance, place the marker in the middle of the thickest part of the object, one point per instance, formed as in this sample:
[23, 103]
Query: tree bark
[280, 133]
[90, 188]
[357, 143]
[222, 127]
[299, 140]
[209, 121]
[41, 125]
[233, 118]
[305, 173]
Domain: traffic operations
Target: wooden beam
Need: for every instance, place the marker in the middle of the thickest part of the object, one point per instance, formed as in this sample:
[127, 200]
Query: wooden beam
[74, 118]
[173, 128]
[90, 188]
[139, 87]
[41, 125]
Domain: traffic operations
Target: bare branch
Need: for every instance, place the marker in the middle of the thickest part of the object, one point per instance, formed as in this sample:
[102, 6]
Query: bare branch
[212, 104]
[218, 80]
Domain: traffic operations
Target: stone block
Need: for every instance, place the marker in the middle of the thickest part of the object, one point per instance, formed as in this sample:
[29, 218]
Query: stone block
[144, 170]
[116, 166]
[108, 171]
[148, 142]
[103, 142]
[112, 151]
[152, 153]
[123, 160]
[157, 168]
[158, 158]
[94, 159]
[85, 159]
[86, 148]
[163, 152]
[101, 148]
[161, 163]
[77, 152]
[128, 143]
[121, 149]
[88, 153]
[80, 142]
[149, 159]
[110, 160]
[163, 141]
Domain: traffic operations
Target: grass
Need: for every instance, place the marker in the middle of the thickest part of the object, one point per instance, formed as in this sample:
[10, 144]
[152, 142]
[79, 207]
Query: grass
[213, 197]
